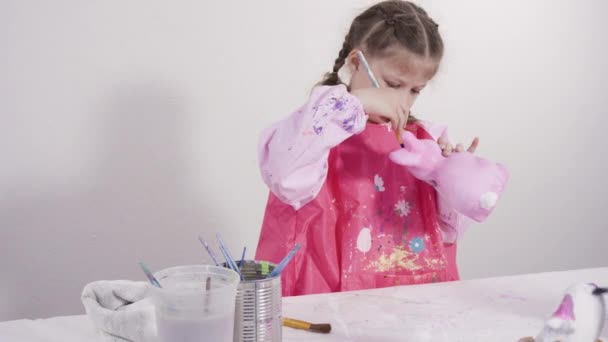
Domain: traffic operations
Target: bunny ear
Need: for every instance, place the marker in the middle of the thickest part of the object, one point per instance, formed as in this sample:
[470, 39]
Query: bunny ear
[409, 140]
[404, 157]
[407, 156]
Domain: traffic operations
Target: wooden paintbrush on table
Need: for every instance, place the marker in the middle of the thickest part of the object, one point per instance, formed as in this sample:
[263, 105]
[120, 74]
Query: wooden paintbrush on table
[302, 325]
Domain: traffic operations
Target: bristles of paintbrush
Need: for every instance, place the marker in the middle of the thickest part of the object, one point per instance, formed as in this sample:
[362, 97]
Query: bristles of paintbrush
[321, 328]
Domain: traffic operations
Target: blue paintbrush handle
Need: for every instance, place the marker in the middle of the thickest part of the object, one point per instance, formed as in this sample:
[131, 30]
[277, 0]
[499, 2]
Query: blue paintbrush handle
[243, 257]
[281, 266]
[206, 245]
[228, 263]
[223, 246]
[229, 259]
[149, 275]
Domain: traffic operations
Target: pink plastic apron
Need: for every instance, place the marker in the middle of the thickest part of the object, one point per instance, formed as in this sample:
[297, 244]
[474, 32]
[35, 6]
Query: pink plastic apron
[372, 224]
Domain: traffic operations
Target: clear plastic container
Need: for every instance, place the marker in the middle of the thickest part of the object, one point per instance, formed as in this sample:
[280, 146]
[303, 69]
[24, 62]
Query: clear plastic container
[195, 304]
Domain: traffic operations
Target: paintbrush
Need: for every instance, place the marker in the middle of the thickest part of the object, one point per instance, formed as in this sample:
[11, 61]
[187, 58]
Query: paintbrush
[206, 245]
[224, 249]
[243, 257]
[229, 262]
[374, 81]
[302, 325]
[285, 261]
[149, 275]
[229, 259]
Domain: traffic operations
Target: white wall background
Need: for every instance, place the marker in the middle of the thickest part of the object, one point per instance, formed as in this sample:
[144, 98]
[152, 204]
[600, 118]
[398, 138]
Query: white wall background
[129, 127]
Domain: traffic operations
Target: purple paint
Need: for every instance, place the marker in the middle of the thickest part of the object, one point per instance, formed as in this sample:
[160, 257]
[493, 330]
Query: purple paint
[339, 104]
[349, 124]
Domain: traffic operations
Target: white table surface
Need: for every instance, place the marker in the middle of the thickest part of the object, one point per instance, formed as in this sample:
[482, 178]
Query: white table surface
[496, 309]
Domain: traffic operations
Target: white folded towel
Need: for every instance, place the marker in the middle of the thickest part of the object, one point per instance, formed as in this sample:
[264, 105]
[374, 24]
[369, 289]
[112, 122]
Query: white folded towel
[121, 310]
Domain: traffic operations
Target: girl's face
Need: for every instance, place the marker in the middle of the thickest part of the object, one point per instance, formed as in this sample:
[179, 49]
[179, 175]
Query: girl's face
[399, 69]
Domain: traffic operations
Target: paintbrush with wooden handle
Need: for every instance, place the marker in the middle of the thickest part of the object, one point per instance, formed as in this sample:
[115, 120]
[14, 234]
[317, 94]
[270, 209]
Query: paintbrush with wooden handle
[302, 325]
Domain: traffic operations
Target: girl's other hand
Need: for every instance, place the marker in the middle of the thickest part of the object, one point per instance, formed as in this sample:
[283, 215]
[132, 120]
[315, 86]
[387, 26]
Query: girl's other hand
[447, 148]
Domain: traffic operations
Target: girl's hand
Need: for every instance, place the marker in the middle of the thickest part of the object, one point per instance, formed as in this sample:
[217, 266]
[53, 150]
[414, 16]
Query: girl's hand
[447, 148]
[384, 105]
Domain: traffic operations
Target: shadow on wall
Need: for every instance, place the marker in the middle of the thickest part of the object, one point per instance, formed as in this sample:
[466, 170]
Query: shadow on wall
[137, 204]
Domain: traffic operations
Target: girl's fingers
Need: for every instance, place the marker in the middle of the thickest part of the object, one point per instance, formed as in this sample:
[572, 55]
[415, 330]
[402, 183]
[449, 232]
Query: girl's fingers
[448, 149]
[377, 119]
[473, 146]
[442, 142]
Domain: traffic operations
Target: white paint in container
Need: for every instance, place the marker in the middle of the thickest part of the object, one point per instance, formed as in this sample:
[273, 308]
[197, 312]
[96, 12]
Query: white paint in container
[209, 328]
[187, 310]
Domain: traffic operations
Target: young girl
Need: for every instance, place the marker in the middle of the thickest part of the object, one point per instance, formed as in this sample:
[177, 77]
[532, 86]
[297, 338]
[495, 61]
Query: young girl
[362, 220]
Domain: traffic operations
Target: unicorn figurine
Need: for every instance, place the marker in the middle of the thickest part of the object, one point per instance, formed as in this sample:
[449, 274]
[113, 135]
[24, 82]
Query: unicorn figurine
[579, 317]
